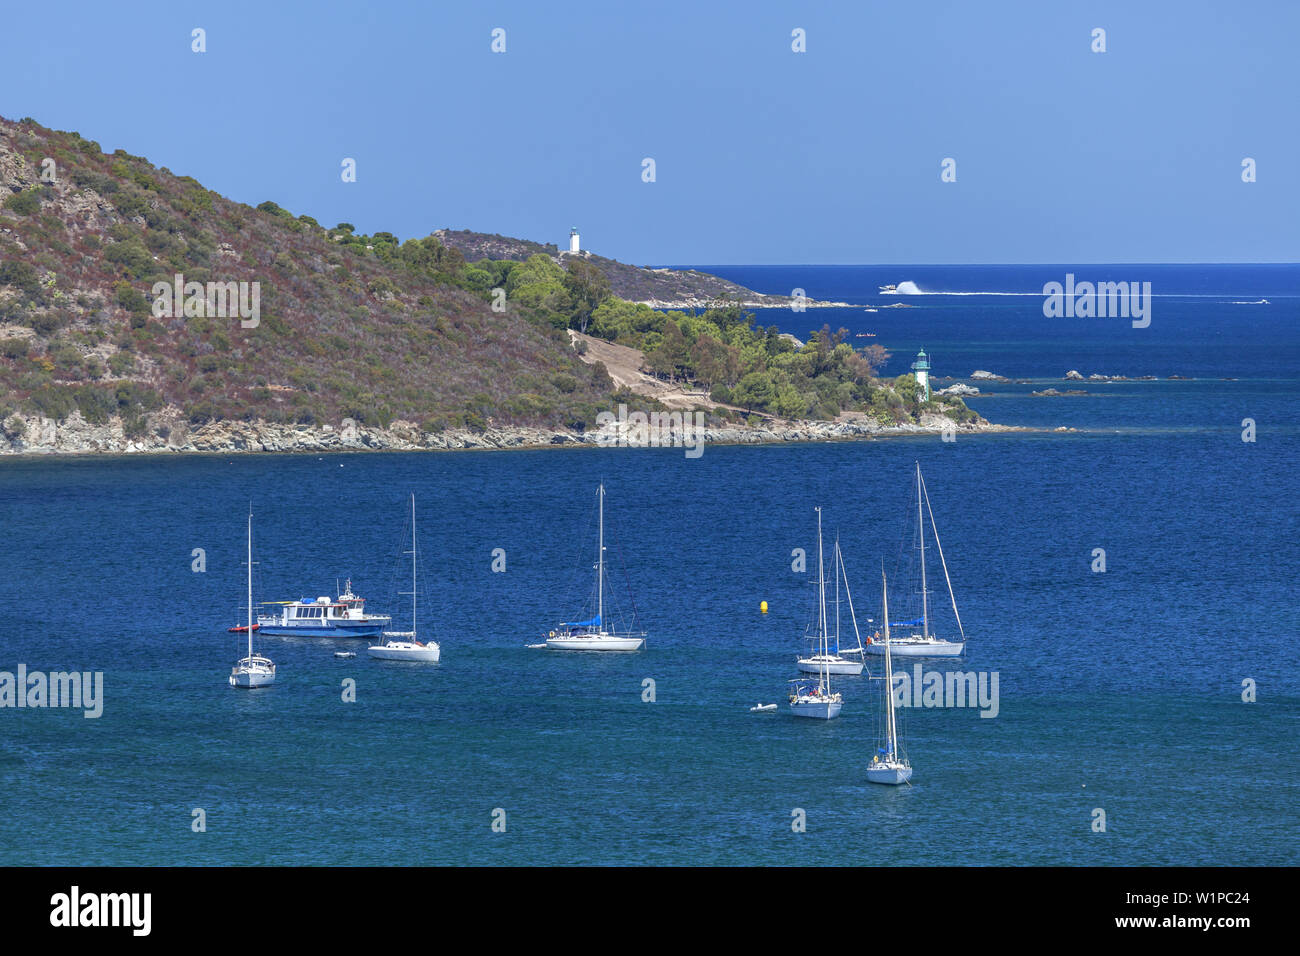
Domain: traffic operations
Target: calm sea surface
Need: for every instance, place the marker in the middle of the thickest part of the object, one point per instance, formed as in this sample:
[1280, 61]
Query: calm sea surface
[1119, 690]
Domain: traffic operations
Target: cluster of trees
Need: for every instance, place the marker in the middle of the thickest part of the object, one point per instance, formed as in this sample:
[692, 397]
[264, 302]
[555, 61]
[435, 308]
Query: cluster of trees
[718, 349]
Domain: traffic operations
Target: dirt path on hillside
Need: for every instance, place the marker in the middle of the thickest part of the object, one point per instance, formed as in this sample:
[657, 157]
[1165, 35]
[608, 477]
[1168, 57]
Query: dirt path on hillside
[624, 366]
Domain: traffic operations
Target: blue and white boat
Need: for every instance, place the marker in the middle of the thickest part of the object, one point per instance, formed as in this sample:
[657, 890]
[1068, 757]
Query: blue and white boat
[344, 616]
[597, 633]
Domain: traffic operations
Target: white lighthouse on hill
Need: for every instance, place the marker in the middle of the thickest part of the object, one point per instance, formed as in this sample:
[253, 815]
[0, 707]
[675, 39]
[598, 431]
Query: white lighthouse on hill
[921, 368]
[574, 244]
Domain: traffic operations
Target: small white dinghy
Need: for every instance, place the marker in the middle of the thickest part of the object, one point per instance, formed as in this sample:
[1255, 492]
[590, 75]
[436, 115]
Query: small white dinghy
[402, 645]
[762, 708]
[345, 655]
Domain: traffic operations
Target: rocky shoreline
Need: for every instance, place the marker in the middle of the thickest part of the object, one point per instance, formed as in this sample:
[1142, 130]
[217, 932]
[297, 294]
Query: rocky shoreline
[33, 435]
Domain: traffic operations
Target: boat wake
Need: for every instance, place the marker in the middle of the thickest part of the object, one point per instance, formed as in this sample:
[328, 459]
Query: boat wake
[911, 288]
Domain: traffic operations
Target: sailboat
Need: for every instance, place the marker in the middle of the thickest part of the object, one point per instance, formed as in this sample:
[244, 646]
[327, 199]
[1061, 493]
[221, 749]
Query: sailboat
[835, 662]
[887, 766]
[403, 645]
[252, 671]
[925, 644]
[594, 634]
[807, 700]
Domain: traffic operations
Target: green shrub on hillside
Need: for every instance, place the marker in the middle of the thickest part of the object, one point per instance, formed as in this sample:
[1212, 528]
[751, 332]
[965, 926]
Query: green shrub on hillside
[24, 203]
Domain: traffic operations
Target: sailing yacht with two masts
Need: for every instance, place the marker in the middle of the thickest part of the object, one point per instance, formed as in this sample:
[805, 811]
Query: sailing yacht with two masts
[925, 643]
[596, 634]
[807, 699]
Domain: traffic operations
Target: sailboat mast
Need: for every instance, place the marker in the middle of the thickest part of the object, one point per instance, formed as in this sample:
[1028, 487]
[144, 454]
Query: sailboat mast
[250, 582]
[414, 628]
[944, 563]
[920, 531]
[824, 677]
[848, 595]
[889, 668]
[600, 566]
[836, 572]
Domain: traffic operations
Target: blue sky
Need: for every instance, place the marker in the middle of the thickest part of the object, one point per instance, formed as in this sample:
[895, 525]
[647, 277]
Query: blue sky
[762, 155]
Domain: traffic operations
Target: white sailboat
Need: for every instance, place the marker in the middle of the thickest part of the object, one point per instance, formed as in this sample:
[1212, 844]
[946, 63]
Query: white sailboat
[835, 662]
[888, 765]
[253, 670]
[595, 634]
[404, 645]
[926, 644]
[807, 699]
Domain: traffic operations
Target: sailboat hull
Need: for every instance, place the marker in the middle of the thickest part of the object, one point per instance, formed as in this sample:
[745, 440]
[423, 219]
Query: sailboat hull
[834, 665]
[605, 642]
[252, 680]
[904, 647]
[405, 651]
[821, 709]
[889, 774]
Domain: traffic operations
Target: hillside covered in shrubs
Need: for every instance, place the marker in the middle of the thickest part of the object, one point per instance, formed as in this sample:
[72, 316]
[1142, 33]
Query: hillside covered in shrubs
[366, 327]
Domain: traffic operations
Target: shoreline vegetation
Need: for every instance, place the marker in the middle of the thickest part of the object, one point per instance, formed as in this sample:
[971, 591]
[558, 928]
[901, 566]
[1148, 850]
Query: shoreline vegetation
[456, 339]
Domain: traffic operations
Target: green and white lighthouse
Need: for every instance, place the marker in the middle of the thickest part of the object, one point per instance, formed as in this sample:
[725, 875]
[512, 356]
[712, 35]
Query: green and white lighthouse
[921, 368]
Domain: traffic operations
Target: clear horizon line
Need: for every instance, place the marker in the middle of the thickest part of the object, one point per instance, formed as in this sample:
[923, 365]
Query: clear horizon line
[1076, 264]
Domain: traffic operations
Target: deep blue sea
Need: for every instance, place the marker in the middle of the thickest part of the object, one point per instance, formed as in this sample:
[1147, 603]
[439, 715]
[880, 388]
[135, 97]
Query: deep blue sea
[1119, 691]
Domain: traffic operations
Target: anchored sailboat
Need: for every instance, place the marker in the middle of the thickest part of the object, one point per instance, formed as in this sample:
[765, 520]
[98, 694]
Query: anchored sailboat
[595, 634]
[925, 644]
[835, 662]
[888, 766]
[404, 645]
[253, 670]
[807, 699]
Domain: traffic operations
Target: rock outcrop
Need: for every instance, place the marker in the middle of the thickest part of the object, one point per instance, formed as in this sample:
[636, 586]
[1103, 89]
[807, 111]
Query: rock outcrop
[167, 432]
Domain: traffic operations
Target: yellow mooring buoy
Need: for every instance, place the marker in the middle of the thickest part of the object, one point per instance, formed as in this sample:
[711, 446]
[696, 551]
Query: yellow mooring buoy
[762, 606]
